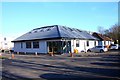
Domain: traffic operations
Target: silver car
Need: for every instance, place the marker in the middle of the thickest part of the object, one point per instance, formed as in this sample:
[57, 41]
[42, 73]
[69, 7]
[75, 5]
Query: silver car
[98, 49]
[114, 46]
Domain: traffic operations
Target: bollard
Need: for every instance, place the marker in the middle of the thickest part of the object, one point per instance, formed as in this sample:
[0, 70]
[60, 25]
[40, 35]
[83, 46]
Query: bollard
[0, 54]
[36, 53]
[13, 56]
[9, 52]
[51, 54]
[71, 54]
[18, 53]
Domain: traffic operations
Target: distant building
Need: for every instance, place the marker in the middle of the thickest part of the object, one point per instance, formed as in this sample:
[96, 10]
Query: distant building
[5, 43]
[103, 40]
[54, 39]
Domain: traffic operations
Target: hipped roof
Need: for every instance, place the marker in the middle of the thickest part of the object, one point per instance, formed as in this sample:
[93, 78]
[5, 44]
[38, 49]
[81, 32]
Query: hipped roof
[54, 32]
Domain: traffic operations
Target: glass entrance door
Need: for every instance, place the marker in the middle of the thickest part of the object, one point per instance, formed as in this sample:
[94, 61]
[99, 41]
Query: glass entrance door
[58, 47]
[54, 47]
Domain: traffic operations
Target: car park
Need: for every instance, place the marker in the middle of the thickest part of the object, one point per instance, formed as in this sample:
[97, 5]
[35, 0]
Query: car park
[98, 49]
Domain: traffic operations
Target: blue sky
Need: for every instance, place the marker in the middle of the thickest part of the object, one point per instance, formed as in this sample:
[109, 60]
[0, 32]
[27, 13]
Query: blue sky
[21, 17]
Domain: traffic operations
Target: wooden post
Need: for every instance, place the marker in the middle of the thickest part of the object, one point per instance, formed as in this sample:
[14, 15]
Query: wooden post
[71, 55]
[13, 56]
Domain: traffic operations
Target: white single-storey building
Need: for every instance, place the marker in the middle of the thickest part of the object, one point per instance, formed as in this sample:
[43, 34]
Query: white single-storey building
[54, 39]
[5, 43]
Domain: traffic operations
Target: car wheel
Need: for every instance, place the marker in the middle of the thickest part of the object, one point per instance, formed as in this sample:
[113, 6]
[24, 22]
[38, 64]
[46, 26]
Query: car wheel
[88, 50]
[101, 51]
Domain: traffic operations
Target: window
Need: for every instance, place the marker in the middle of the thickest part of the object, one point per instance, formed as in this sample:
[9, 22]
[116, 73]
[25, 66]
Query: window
[5, 43]
[28, 44]
[36, 44]
[41, 30]
[48, 29]
[79, 30]
[77, 43]
[21, 45]
[104, 43]
[30, 32]
[5, 39]
[70, 29]
[87, 43]
[35, 31]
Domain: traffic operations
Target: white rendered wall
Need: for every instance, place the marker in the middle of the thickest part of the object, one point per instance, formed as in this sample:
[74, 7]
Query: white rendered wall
[91, 44]
[82, 45]
[6, 44]
[42, 47]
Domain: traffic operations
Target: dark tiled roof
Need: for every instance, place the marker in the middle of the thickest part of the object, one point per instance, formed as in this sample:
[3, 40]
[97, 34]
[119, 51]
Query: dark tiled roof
[53, 32]
[101, 37]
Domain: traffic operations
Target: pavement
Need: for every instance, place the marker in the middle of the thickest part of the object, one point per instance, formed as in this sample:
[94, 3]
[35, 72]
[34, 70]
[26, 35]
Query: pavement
[81, 66]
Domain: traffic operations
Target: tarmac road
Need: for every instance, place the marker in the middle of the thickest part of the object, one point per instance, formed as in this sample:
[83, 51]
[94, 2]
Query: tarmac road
[44, 67]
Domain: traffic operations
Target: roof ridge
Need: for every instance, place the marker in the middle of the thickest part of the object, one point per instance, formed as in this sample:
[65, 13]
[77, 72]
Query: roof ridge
[57, 26]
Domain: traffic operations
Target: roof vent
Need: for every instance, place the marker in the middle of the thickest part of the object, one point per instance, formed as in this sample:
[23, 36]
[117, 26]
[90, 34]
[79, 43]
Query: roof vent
[41, 30]
[35, 31]
[65, 28]
[70, 29]
[79, 30]
[48, 29]
[30, 32]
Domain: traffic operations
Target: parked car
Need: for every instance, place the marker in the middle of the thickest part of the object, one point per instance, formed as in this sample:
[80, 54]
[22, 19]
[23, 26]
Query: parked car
[98, 49]
[114, 46]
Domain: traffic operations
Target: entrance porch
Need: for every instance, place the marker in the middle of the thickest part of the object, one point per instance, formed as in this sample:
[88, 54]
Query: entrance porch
[59, 47]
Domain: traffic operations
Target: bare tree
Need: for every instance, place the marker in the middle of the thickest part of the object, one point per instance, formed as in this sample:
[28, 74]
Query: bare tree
[114, 33]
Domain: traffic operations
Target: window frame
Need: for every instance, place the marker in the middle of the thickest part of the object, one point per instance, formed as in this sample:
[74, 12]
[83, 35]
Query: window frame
[21, 45]
[77, 43]
[87, 43]
[35, 44]
[28, 45]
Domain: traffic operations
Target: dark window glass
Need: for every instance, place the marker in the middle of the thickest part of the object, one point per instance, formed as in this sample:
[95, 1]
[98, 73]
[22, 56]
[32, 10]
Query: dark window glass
[77, 43]
[5, 43]
[48, 29]
[35, 44]
[35, 31]
[5, 39]
[28, 44]
[104, 42]
[87, 43]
